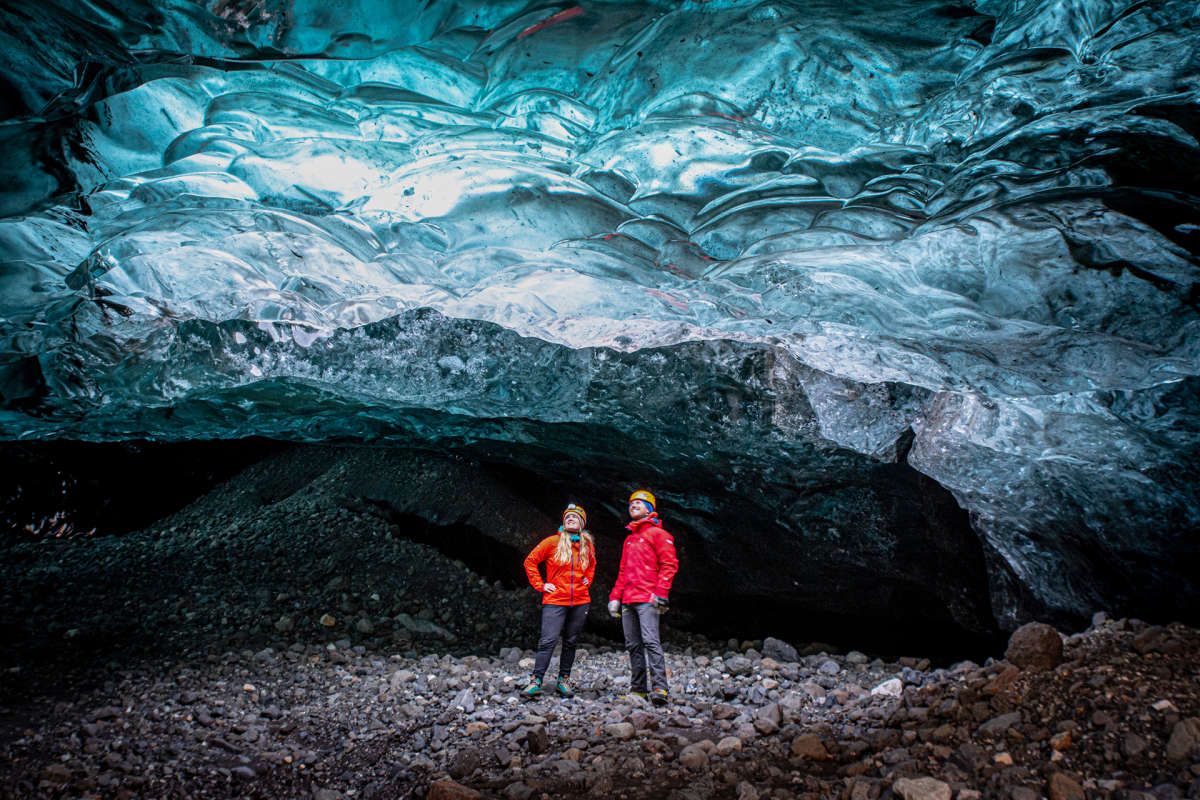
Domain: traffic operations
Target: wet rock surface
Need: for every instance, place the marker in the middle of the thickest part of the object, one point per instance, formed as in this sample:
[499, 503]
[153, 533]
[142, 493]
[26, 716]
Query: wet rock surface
[237, 664]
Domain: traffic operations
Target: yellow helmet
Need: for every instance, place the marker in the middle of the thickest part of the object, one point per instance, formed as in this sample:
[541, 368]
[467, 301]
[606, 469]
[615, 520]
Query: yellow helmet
[645, 497]
[574, 509]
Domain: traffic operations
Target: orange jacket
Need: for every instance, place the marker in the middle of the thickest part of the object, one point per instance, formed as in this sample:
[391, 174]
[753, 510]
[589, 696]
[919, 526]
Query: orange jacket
[571, 581]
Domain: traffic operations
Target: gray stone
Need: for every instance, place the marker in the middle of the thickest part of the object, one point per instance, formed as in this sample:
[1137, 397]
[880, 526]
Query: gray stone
[997, 726]
[813, 690]
[924, 788]
[1185, 738]
[772, 713]
[779, 650]
[1133, 745]
[465, 700]
[620, 730]
[738, 665]
[693, 757]
[463, 763]
[518, 791]
[728, 745]
[535, 739]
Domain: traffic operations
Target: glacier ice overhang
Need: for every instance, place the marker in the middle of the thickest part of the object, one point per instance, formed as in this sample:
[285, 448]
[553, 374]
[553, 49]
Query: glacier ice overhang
[778, 243]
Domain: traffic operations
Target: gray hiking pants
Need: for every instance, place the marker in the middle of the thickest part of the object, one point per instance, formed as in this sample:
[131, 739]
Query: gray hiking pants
[639, 621]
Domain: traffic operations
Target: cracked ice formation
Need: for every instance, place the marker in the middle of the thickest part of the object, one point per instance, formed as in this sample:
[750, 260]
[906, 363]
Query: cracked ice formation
[780, 241]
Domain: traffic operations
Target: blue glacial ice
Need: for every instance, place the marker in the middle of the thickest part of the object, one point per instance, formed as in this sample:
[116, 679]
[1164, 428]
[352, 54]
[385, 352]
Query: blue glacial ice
[777, 239]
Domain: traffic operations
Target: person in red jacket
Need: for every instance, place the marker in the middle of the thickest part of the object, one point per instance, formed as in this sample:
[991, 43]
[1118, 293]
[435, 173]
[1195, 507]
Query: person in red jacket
[648, 565]
[570, 557]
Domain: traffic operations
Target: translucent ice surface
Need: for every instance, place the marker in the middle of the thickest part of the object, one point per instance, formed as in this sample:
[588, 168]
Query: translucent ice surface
[774, 237]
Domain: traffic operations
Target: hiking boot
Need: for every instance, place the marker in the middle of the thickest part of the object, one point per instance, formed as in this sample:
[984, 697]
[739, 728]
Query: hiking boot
[532, 690]
[659, 697]
[564, 688]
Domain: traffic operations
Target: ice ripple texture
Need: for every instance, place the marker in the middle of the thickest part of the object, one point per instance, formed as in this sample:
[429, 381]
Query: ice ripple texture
[775, 242]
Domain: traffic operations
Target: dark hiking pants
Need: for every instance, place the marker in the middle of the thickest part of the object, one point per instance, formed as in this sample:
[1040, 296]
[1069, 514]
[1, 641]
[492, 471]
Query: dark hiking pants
[640, 623]
[565, 621]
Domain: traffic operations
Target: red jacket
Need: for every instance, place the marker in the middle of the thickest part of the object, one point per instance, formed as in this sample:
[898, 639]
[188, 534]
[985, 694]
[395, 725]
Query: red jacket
[648, 562]
[571, 581]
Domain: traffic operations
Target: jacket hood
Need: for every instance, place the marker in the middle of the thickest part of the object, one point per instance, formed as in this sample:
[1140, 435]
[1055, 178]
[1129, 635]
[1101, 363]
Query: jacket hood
[649, 519]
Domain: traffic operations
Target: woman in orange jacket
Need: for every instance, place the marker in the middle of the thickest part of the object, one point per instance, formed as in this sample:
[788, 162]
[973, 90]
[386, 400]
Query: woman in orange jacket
[570, 557]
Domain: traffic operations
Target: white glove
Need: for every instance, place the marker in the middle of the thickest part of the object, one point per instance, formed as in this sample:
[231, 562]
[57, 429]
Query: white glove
[549, 587]
[660, 603]
[614, 608]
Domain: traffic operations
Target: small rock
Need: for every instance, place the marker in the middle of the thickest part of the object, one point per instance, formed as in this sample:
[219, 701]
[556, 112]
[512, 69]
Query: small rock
[728, 745]
[765, 726]
[925, 788]
[1185, 737]
[56, 773]
[285, 624]
[465, 700]
[518, 791]
[738, 665]
[809, 746]
[446, 789]
[536, 740]
[107, 712]
[1035, 646]
[693, 757]
[771, 711]
[1133, 745]
[998, 726]
[1064, 788]
[779, 650]
[620, 730]
[463, 763]
[328, 620]
[889, 688]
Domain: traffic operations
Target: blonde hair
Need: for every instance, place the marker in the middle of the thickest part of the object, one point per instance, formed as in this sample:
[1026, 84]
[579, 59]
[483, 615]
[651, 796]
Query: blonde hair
[587, 547]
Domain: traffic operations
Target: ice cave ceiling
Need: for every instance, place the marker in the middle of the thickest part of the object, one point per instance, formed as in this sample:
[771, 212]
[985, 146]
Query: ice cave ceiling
[748, 253]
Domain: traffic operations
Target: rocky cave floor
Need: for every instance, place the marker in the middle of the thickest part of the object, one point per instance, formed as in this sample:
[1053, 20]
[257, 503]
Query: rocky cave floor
[290, 649]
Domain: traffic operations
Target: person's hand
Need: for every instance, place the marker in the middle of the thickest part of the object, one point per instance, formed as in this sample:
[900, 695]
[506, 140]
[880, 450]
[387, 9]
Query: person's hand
[614, 608]
[549, 587]
[661, 603]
